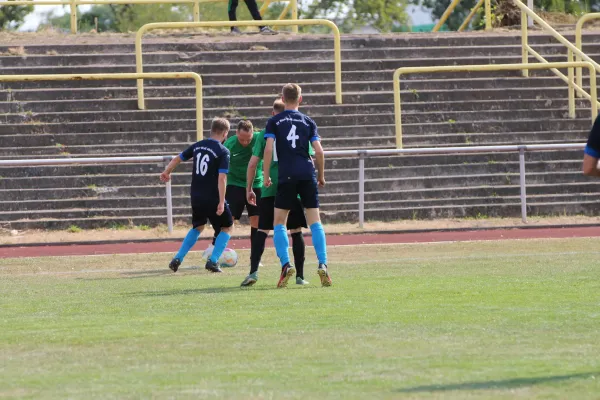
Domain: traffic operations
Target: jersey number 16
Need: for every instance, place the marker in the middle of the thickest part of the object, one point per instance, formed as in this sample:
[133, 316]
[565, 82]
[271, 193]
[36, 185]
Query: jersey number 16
[202, 164]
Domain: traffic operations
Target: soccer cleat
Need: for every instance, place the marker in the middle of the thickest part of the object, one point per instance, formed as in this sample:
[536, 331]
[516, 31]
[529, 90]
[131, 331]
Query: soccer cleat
[236, 31]
[212, 267]
[250, 280]
[300, 281]
[174, 264]
[324, 275]
[265, 30]
[208, 252]
[286, 273]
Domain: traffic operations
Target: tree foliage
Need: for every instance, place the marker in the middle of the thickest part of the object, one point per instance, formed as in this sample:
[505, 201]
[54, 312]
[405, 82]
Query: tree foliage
[12, 17]
[121, 18]
[350, 14]
[438, 7]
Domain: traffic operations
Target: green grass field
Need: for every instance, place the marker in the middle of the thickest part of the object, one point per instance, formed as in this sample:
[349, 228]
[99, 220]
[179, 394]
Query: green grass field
[512, 319]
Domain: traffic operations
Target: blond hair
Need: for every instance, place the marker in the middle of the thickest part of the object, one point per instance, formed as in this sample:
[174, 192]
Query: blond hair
[219, 125]
[291, 93]
[278, 106]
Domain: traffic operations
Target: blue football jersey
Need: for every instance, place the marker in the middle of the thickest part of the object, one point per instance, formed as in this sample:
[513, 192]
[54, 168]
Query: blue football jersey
[211, 158]
[293, 132]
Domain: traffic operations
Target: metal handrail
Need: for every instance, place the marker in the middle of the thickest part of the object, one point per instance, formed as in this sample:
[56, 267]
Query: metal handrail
[452, 6]
[292, 6]
[361, 154]
[578, 40]
[215, 24]
[97, 77]
[495, 67]
[572, 49]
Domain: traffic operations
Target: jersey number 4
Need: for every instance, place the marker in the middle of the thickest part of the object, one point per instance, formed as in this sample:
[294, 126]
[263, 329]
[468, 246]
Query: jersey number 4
[202, 164]
[292, 137]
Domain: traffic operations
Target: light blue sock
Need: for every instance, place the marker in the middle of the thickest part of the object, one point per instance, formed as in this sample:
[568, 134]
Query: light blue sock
[282, 243]
[220, 245]
[190, 240]
[319, 242]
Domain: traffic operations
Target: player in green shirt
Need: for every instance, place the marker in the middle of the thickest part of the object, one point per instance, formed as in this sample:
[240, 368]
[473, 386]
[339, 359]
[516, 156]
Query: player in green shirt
[296, 220]
[240, 146]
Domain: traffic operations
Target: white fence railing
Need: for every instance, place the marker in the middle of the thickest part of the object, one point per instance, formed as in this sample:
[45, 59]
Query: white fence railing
[361, 154]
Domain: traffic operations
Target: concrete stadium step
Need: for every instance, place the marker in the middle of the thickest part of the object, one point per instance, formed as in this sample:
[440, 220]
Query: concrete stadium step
[261, 111]
[279, 55]
[79, 208]
[284, 66]
[155, 197]
[391, 182]
[62, 148]
[269, 78]
[34, 199]
[200, 42]
[334, 173]
[453, 95]
[415, 129]
[321, 120]
[410, 89]
[155, 216]
[100, 119]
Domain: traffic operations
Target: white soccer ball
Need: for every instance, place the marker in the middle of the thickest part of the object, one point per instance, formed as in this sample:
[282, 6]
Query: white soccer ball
[228, 259]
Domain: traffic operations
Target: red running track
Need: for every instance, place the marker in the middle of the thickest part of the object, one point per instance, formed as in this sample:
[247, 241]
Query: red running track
[332, 240]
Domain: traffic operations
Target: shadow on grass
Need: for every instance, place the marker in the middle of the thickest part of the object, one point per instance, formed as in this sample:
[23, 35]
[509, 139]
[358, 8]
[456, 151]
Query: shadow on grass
[179, 292]
[146, 273]
[500, 384]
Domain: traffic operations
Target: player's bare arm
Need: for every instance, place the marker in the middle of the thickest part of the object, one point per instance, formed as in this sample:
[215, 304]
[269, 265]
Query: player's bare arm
[319, 160]
[250, 175]
[166, 174]
[590, 166]
[268, 157]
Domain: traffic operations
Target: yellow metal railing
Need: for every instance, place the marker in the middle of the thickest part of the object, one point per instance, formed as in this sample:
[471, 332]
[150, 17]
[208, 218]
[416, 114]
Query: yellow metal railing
[572, 49]
[578, 40]
[452, 6]
[212, 24]
[99, 77]
[499, 67]
[291, 8]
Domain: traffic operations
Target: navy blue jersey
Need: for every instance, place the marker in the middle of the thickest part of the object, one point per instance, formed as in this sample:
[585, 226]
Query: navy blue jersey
[293, 132]
[593, 144]
[211, 158]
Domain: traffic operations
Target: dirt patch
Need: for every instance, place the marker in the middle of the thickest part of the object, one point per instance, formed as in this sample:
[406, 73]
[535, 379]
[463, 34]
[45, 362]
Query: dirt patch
[136, 233]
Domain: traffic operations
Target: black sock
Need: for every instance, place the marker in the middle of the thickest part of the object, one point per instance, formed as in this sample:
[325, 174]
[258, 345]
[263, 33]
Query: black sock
[252, 236]
[298, 248]
[257, 250]
[217, 231]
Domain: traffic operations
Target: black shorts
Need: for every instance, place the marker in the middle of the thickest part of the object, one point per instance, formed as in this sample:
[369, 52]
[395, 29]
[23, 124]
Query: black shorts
[287, 194]
[202, 211]
[296, 218]
[236, 197]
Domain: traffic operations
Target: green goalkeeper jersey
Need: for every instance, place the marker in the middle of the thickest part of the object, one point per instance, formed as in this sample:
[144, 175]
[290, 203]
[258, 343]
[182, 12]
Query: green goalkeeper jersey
[238, 164]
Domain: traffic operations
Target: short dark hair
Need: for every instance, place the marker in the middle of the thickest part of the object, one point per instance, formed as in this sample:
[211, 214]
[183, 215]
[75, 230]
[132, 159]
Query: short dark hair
[278, 106]
[219, 125]
[291, 93]
[245, 125]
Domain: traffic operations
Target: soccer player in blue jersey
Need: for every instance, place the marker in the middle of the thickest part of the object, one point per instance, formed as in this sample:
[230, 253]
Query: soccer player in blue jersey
[290, 133]
[592, 151]
[207, 192]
